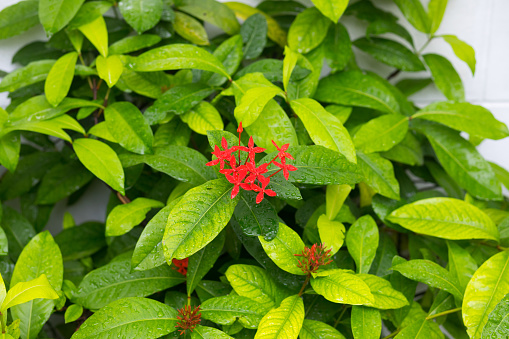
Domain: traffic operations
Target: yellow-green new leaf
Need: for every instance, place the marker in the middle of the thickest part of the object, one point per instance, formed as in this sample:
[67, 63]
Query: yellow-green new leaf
[445, 218]
[308, 30]
[415, 14]
[3, 291]
[283, 322]
[341, 286]
[385, 296]
[60, 77]
[332, 233]
[312, 329]
[362, 242]
[191, 29]
[289, 63]
[124, 217]
[324, 128]
[22, 292]
[436, 10]
[97, 34]
[335, 196]
[204, 332]
[225, 310]
[211, 11]
[332, 9]
[253, 103]
[141, 15]
[366, 322]
[55, 14]
[489, 284]
[462, 50]
[381, 134]
[109, 69]
[202, 118]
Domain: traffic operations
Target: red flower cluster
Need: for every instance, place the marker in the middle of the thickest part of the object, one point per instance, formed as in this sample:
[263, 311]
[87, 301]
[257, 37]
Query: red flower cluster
[181, 265]
[313, 258]
[248, 176]
[188, 319]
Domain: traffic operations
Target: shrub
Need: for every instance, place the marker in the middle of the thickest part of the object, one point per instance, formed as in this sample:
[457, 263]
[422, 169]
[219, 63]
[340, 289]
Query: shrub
[250, 196]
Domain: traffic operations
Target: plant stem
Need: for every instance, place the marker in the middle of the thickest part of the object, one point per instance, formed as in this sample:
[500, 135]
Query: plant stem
[308, 277]
[3, 322]
[393, 334]
[443, 313]
[340, 316]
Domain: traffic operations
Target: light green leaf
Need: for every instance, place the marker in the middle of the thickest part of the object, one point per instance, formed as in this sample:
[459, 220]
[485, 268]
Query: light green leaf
[3, 291]
[332, 233]
[462, 50]
[445, 77]
[73, 313]
[385, 296]
[55, 14]
[32, 73]
[141, 15]
[284, 321]
[436, 10]
[282, 249]
[198, 218]
[204, 332]
[134, 43]
[353, 88]
[87, 13]
[10, 145]
[146, 318]
[501, 173]
[497, 325]
[226, 310]
[431, 274]
[391, 53]
[446, 218]
[102, 161]
[23, 292]
[362, 242]
[101, 130]
[59, 79]
[124, 217]
[4, 250]
[381, 134]
[485, 290]
[308, 30]
[254, 36]
[289, 63]
[415, 14]
[461, 264]
[366, 323]
[190, 29]
[127, 125]
[202, 118]
[253, 102]
[18, 18]
[97, 34]
[332, 9]
[324, 128]
[213, 12]
[379, 174]
[408, 151]
[109, 69]
[312, 329]
[335, 196]
[341, 286]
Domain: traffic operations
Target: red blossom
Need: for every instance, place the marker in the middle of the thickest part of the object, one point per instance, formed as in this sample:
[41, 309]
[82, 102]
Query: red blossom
[285, 167]
[188, 319]
[255, 172]
[282, 151]
[221, 155]
[181, 265]
[313, 257]
[251, 150]
[262, 190]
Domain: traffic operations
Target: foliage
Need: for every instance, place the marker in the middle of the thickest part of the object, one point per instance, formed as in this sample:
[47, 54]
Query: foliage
[376, 194]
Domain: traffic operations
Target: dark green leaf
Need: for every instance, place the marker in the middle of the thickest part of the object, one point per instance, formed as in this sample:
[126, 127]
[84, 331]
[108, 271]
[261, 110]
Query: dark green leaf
[256, 219]
[141, 15]
[18, 18]
[391, 53]
[254, 36]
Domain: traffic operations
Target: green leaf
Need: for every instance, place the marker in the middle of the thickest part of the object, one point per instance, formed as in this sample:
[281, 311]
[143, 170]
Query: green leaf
[446, 218]
[23, 292]
[416, 326]
[190, 29]
[337, 47]
[34, 72]
[335, 196]
[332, 9]
[227, 309]
[341, 286]
[254, 36]
[408, 151]
[256, 219]
[18, 231]
[463, 162]
[289, 63]
[213, 12]
[473, 119]
[230, 54]
[4, 250]
[445, 77]
[253, 102]
[18, 18]
[415, 14]
[73, 313]
[127, 125]
[324, 128]
[10, 145]
[102, 161]
[255, 283]
[462, 50]
[497, 325]
[133, 43]
[285, 320]
[41, 256]
[97, 34]
[362, 242]
[178, 56]
[282, 249]
[461, 264]
[198, 218]
[385, 296]
[501, 173]
[366, 322]
[379, 27]
[436, 10]
[3, 291]
[353, 88]
[202, 261]
[381, 134]
[141, 15]
[88, 13]
[202, 118]
[312, 329]
[486, 289]
[55, 15]
[109, 69]
[391, 53]
[101, 130]
[308, 30]
[204, 332]
[379, 174]
[145, 318]
[332, 233]
[59, 79]
[115, 281]
[431, 274]
[124, 217]
[82, 241]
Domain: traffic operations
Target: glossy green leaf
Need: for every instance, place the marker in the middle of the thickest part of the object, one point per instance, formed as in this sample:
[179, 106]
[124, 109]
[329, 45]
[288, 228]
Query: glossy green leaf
[190, 29]
[446, 218]
[335, 196]
[60, 77]
[332, 233]
[55, 15]
[109, 69]
[4, 249]
[341, 286]
[254, 36]
[379, 27]
[18, 231]
[445, 77]
[282, 249]
[124, 217]
[461, 264]
[102, 161]
[284, 321]
[501, 173]
[385, 296]
[415, 14]
[408, 151]
[416, 326]
[204, 332]
[23, 292]
[485, 290]
[436, 10]
[289, 63]
[462, 50]
[381, 134]
[362, 242]
[81, 241]
[18, 18]
[141, 15]
[101, 130]
[213, 12]
[352, 88]
[202, 118]
[337, 47]
[366, 322]
[391, 53]
[498, 321]
[308, 30]
[87, 13]
[97, 34]
[253, 102]
[227, 309]
[33, 73]
[127, 125]
[256, 219]
[73, 313]
[332, 9]
[10, 145]
[146, 318]
[133, 43]
[312, 329]
[230, 55]
[379, 174]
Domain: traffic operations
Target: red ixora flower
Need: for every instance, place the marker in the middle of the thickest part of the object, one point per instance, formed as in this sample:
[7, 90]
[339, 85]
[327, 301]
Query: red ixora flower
[313, 257]
[188, 318]
[247, 175]
[181, 265]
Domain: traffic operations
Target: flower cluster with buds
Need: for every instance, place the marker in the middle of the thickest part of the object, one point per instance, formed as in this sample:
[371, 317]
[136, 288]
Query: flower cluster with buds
[188, 318]
[313, 258]
[181, 265]
[248, 176]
